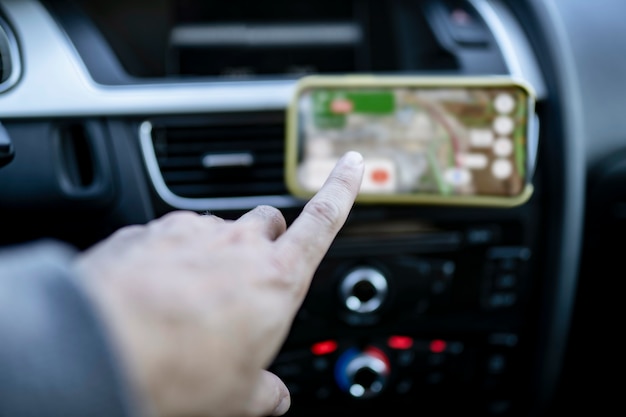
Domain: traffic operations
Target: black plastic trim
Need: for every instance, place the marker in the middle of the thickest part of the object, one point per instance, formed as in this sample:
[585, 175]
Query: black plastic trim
[565, 187]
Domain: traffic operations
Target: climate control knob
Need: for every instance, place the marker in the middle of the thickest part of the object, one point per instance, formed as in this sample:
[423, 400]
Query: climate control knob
[363, 290]
[362, 374]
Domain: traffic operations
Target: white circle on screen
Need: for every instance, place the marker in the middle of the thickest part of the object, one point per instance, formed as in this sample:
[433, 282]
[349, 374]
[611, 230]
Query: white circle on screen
[503, 147]
[504, 103]
[503, 125]
[502, 168]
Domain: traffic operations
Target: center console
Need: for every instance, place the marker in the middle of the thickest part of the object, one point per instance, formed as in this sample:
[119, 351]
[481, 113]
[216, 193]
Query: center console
[406, 311]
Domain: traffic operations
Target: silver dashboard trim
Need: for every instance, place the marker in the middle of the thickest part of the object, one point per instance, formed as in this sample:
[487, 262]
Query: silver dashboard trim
[52, 66]
[14, 59]
[259, 35]
[516, 50]
[199, 204]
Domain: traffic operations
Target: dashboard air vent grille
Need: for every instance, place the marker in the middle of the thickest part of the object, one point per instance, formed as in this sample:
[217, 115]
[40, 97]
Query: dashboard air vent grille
[222, 156]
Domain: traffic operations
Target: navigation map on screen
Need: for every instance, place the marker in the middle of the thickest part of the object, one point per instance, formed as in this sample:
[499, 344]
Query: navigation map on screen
[445, 141]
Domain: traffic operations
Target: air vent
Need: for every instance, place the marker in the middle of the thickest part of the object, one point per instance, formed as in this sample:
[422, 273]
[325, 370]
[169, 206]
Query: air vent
[9, 61]
[246, 38]
[227, 156]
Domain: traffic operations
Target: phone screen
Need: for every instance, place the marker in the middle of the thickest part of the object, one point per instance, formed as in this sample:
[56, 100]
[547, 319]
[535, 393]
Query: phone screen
[430, 140]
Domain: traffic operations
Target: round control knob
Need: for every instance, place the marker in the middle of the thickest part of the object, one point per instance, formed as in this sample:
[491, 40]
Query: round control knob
[364, 289]
[362, 374]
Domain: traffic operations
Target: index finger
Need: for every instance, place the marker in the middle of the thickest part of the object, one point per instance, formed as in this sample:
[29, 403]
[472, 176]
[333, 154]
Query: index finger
[307, 240]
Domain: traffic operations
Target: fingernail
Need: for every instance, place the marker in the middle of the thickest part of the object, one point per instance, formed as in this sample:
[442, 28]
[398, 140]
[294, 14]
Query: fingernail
[283, 406]
[353, 158]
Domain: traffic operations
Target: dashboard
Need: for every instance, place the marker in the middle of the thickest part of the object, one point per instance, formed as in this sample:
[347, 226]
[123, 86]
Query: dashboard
[110, 109]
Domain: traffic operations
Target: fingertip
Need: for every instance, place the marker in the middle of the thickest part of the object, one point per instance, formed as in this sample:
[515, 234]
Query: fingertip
[271, 396]
[349, 171]
[352, 164]
[353, 158]
[284, 398]
[283, 405]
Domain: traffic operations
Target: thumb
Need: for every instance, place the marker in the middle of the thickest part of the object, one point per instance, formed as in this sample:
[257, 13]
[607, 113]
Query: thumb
[270, 396]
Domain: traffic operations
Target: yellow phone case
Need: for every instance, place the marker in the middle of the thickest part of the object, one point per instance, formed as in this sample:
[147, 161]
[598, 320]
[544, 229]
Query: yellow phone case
[293, 142]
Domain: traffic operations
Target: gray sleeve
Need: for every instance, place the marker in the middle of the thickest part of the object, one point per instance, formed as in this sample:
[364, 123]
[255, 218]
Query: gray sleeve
[54, 357]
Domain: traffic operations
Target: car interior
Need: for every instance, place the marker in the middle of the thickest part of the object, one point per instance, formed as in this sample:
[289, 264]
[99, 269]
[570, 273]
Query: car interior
[110, 110]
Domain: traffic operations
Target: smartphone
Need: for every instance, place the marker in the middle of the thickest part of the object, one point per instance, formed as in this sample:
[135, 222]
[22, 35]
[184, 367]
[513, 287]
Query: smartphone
[432, 140]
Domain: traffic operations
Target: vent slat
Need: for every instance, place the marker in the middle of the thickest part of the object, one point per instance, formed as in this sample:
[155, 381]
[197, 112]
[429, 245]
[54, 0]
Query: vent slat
[195, 162]
[224, 133]
[242, 190]
[186, 148]
[226, 176]
[179, 150]
[180, 163]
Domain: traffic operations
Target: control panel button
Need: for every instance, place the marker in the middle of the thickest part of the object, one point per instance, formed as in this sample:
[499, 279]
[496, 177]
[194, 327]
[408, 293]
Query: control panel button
[364, 289]
[362, 374]
[503, 273]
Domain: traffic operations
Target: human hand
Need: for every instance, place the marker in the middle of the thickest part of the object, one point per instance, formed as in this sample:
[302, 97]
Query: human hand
[199, 306]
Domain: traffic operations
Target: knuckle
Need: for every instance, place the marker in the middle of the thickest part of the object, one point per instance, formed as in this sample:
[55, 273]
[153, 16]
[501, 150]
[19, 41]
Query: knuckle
[178, 224]
[273, 214]
[267, 210]
[325, 210]
[129, 232]
[177, 217]
[281, 273]
[344, 181]
[241, 233]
